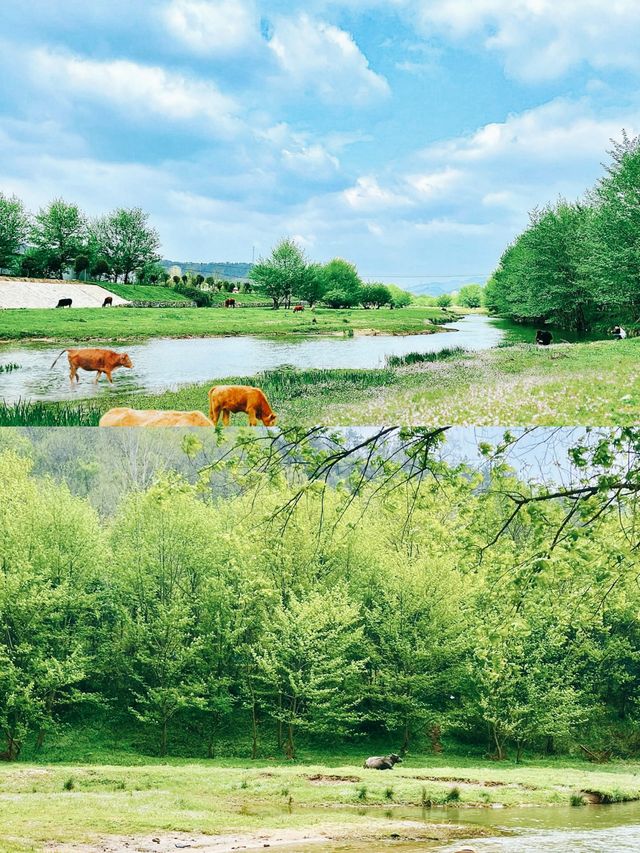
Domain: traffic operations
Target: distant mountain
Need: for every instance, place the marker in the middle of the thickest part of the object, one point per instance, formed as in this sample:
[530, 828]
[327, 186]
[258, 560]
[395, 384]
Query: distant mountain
[223, 269]
[437, 288]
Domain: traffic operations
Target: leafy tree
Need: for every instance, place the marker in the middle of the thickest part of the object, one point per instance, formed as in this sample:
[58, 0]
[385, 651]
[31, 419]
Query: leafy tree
[445, 300]
[311, 287]
[376, 295]
[126, 241]
[282, 274]
[59, 232]
[100, 268]
[81, 264]
[14, 229]
[471, 296]
[341, 283]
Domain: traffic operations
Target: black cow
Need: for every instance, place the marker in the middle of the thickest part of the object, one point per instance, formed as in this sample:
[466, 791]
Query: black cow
[382, 762]
[64, 303]
[108, 300]
[543, 337]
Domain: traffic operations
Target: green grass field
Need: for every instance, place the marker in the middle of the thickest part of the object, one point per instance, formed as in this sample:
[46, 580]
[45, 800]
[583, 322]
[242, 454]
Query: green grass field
[75, 325]
[590, 384]
[56, 804]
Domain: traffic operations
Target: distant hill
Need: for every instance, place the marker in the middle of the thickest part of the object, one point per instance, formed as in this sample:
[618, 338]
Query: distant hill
[437, 288]
[223, 269]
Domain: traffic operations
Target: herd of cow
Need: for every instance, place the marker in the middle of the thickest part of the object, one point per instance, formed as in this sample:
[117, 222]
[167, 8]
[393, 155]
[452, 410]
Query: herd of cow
[224, 400]
[67, 303]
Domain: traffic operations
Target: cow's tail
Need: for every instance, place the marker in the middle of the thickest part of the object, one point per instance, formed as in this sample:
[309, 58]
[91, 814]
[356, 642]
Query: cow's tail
[55, 362]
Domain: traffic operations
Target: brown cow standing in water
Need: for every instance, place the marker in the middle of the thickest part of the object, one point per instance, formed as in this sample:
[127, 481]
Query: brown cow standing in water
[96, 360]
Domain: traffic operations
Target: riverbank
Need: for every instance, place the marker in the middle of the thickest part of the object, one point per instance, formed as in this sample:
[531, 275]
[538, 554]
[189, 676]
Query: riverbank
[590, 384]
[75, 326]
[222, 805]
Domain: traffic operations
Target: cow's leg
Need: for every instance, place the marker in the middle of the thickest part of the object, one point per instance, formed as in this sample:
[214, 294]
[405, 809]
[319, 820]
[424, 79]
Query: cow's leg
[226, 417]
[214, 413]
[107, 373]
[73, 373]
[98, 373]
[252, 417]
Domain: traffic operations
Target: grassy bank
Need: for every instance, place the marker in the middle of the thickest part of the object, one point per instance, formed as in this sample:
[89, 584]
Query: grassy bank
[591, 384]
[74, 325]
[267, 801]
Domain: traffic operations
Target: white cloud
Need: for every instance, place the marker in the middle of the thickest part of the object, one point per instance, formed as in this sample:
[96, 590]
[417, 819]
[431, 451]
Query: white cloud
[216, 27]
[540, 39]
[323, 59]
[433, 184]
[311, 161]
[137, 89]
[367, 194]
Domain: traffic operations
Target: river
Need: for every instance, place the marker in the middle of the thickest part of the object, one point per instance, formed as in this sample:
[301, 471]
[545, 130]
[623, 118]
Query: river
[163, 363]
[546, 829]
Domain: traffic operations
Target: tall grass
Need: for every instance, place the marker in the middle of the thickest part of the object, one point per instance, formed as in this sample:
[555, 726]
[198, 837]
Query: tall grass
[420, 357]
[9, 368]
[38, 413]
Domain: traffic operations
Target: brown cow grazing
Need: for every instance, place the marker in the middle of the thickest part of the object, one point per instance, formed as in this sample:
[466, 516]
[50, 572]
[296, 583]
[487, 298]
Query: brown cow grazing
[108, 300]
[123, 417]
[382, 762]
[240, 398]
[229, 303]
[98, 360]
[64, 303]
[298, 308]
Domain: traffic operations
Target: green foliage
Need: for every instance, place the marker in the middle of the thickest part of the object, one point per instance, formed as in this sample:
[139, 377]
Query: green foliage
[253, 602]
[342, 284]
[14, 229]
[375, 295]
[126, 241]
[58, 233]
[471, 296]
[576, 265]
[283, 274]
[445, 300]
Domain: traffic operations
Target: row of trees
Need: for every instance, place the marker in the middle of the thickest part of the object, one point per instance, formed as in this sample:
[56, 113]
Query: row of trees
[578, 265]
[205, 614]
[60, 237]
[287, 274]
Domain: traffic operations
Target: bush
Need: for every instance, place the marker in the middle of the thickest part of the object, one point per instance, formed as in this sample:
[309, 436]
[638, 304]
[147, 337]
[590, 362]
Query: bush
[200, 297]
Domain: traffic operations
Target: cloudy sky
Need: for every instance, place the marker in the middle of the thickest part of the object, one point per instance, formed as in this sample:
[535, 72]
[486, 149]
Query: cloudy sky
[409, 136]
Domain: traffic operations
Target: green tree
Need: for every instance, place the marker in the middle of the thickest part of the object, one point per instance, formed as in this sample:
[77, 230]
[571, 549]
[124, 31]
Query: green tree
[14, 230]
[282, 274]
[445, 300]
[59, 232]
[375, 294]
[471, 296]
[126, 241]
[342, 284]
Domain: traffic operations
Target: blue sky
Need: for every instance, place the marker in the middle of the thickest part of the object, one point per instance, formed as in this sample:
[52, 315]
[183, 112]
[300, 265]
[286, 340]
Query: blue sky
[409, 136]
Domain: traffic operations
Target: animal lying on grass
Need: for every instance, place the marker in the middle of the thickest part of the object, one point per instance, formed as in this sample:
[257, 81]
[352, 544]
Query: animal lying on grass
[382, 762]
[224, 399]
[124, 417]
[98, 360]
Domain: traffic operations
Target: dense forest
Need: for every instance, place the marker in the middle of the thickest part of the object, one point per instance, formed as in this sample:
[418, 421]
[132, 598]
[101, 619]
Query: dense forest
[577, 265]
[246, 598]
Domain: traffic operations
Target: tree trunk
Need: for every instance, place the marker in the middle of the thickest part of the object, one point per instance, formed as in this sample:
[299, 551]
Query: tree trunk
[163, 738]
[405, 738]
[254, 724]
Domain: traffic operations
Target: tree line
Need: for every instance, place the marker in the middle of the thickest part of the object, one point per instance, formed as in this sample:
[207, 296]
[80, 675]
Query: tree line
[287, 274]
[577, 265]
[253, 607]
[60, 237]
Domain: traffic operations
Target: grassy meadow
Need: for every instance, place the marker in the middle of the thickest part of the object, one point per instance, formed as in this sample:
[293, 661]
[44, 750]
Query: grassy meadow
[45, 806]
[77, 325]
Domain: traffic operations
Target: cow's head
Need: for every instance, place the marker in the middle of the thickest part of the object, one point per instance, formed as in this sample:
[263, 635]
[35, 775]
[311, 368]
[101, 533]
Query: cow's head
[125, 361]
[269, 419]
[395, 759]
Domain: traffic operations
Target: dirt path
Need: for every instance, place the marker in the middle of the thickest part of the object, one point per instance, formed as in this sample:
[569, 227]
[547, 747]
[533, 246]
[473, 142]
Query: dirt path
[23, 293]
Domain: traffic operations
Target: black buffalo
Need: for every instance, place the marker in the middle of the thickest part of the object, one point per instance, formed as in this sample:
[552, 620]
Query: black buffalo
[543, 337]
[64, 303]
[382, 762]
[108, 300]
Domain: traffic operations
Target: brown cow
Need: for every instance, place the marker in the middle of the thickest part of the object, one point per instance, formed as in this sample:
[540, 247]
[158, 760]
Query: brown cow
[123, 417]
[108, 300]
[229, 303]
[240, 398]
[98, 360]
[298, 308]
